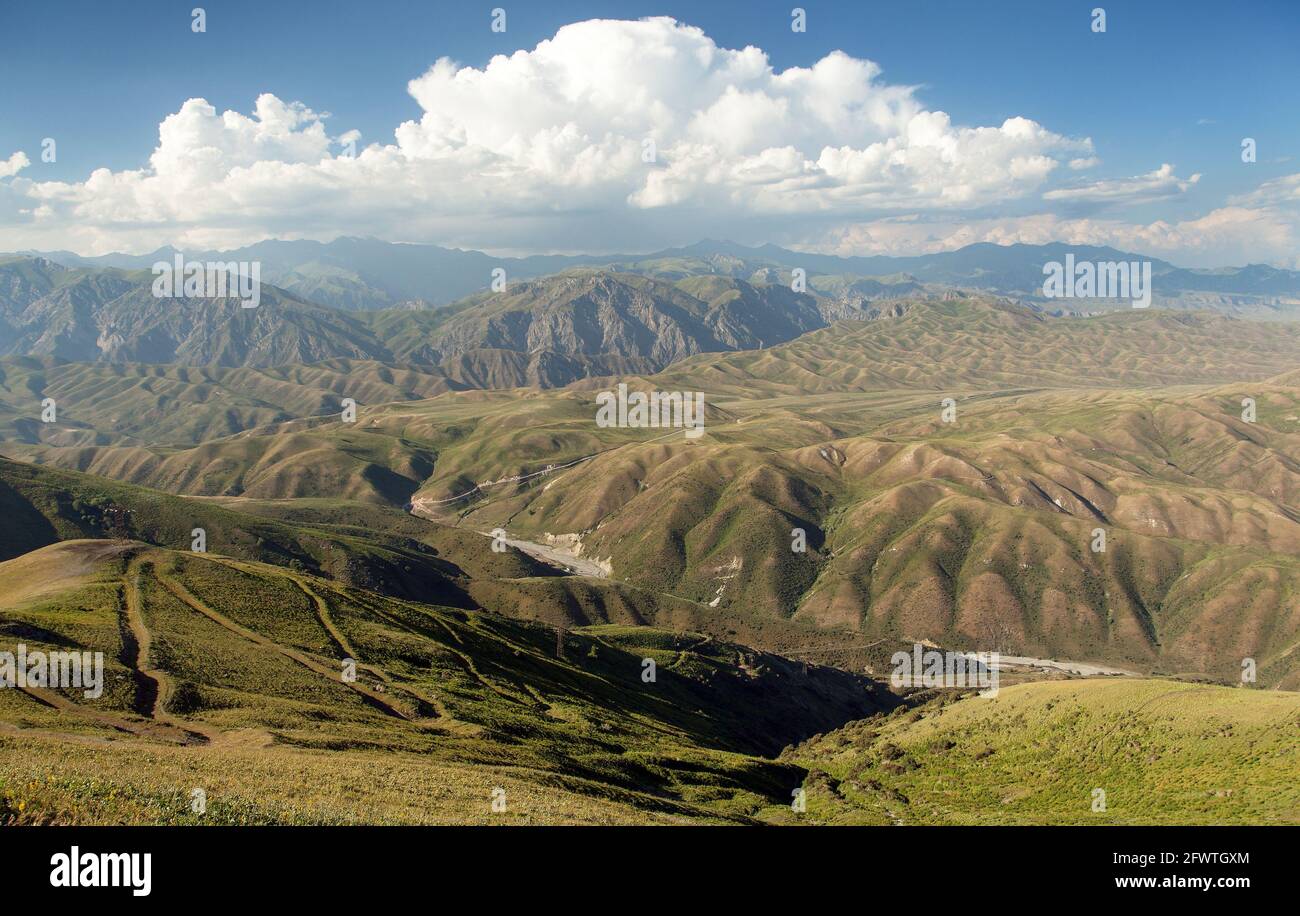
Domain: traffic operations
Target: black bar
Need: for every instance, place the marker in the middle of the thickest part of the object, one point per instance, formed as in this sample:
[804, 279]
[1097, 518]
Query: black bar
[997, 866]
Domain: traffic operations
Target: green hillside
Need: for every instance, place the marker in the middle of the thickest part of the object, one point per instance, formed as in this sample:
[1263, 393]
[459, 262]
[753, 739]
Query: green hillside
[227, 675]
[1162, 752]
[48, 505]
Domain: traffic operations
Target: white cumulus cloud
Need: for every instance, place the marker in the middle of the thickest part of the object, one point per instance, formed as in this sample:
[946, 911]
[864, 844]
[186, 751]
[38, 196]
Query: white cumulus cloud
[627, 136]
[546, 149]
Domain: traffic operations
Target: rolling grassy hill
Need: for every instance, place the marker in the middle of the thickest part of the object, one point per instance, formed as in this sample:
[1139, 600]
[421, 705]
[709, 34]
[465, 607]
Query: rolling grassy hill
[961, 342]
[951, 347]
[976, 533]
[46, 506]
[1162, 752]
[132, 404]
[227, 675]
[374, 547]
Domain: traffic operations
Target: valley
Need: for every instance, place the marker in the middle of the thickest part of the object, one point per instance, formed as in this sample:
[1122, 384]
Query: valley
[1110, 502]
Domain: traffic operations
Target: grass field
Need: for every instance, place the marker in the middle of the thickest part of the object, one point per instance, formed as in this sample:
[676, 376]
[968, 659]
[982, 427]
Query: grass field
[1163, 752]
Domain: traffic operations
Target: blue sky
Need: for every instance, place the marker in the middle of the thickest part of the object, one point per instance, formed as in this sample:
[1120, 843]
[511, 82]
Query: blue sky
[1178, 83]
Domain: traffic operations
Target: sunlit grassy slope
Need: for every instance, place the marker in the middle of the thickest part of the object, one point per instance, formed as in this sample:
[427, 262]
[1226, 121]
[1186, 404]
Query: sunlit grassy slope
[1162, 752]
[228, 675]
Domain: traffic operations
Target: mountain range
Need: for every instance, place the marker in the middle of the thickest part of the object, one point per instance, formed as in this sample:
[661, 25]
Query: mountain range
[548, 331]
[363, 274]
[904, 452]
[1129, 421]
[630, 318]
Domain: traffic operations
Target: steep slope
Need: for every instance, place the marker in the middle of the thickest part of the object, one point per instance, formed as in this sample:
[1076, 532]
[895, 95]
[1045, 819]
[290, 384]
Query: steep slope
[373, 547]
[114, 316]
[546, 332]
[603, 315]
[357, 273]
